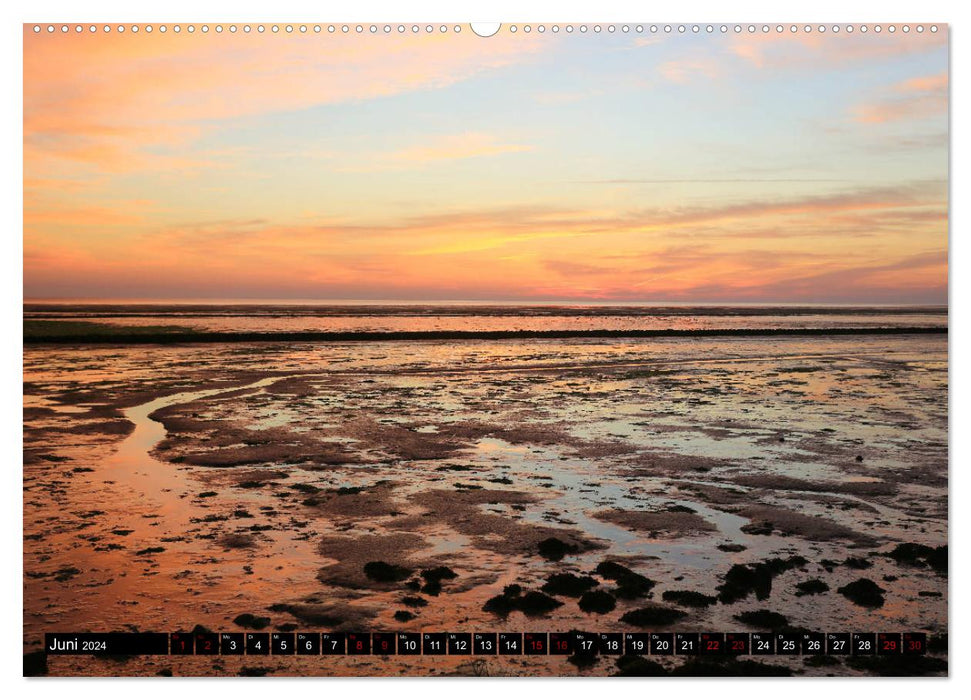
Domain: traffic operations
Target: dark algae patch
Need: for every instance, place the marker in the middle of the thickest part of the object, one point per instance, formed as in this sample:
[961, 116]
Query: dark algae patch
[653, 615]
[250, 621]
[863, 592]
[700, 667]
[149, 550]
[569, 585]
[630, 584]
[813, 586]
[382, 572]
[639, 666]
[533, 603]
[434, 577]
[691, 599]
[744, 579]
[897, 666]
[599, 602]
[714, 666]
[555, 549]
[763, 619]
[912, 554]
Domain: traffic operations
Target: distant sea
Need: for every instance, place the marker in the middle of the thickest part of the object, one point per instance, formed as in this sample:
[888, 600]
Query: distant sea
[310, 316]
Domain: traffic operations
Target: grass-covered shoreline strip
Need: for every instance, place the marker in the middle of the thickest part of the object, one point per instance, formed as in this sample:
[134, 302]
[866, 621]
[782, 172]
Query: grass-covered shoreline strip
[89, 331]
[81, 332]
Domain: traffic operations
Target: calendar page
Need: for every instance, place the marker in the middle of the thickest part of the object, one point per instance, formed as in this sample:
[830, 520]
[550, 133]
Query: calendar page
[437, 349]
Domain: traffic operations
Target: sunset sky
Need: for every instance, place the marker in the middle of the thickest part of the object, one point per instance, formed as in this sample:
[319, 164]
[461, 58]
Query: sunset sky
[602, 167]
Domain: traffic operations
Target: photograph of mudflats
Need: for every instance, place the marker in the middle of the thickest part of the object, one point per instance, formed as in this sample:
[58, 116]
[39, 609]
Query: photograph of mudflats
[488, 468]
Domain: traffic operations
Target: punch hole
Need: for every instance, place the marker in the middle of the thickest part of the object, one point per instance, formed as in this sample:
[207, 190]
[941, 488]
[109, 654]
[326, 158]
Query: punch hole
[485, 29]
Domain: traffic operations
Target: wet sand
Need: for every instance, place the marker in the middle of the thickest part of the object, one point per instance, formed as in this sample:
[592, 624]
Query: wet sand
[173, 486]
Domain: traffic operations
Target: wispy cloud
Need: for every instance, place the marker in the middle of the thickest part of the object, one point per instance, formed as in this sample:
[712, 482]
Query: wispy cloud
[816, 50]
[114, 100]
[916, 98]
[685, 70]
[440, 149]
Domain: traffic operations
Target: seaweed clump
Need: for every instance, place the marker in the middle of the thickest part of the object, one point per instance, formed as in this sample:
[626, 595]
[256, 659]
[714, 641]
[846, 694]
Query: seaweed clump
[653, 615]
[864, 593]
[533, 603]
[912, 554]
[813, 586]
[555, 549]
[630, 584]
[434, 577]
[745, 579]
[383, 572]
[599, 602]
[693, 599]
[763, 619]
[569, 585]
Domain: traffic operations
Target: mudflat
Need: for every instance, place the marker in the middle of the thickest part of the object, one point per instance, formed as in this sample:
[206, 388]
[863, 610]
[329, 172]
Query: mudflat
[620, 484]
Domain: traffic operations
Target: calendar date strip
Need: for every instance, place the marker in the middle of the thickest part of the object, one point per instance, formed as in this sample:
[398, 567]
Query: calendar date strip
[486, 643]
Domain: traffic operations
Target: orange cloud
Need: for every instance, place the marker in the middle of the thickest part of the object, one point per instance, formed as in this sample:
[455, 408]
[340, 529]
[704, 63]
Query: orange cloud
[828, 245]
[107, 99]
[126, 213]
[917, 98]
